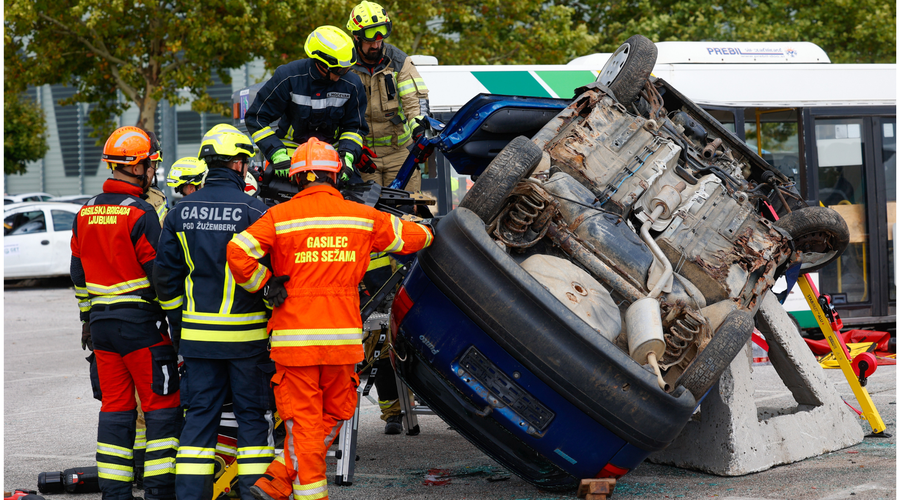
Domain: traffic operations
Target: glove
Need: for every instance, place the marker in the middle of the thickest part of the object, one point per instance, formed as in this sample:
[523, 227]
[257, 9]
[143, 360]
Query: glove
[86, 342]
[347, 169]
[281, 163]
[366, 165]
[420, 125]
[274, 291]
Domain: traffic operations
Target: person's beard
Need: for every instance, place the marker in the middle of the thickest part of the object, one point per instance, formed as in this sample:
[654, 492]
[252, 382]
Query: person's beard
[374, 55]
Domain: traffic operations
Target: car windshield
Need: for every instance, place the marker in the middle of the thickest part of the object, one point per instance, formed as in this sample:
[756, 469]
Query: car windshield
[25, 223]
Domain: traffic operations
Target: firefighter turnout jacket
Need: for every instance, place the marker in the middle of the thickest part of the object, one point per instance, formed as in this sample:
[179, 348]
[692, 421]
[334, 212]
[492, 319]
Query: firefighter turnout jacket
[219, 320]
[322, 242]
[393, 90]
[305, 104]
[113, 246]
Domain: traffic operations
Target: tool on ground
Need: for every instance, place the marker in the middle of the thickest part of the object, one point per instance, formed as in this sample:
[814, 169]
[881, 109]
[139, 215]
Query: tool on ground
[22, 495]
[855, 371]
[74, 480]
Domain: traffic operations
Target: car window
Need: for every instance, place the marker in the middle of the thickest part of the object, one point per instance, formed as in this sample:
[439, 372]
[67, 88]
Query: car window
[25, 223]
[62, 220]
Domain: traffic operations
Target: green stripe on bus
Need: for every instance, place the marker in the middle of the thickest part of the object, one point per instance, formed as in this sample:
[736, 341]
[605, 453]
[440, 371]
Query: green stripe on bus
[564, 83]
[805, 318]
[511, 83]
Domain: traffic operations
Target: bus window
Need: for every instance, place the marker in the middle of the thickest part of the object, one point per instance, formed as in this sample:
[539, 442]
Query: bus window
[889, 157]
[773, 134]
[725, 117]
[842, 186]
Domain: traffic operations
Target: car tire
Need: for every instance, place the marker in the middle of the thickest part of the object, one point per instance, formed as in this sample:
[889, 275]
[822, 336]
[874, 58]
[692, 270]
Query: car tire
[820, 233]
[707, 367]
[628, 68]
[515, 162]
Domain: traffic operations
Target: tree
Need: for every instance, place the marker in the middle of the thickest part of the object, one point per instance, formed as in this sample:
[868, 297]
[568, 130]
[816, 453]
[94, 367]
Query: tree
[24, 133]
[147, 51]
[864, 32]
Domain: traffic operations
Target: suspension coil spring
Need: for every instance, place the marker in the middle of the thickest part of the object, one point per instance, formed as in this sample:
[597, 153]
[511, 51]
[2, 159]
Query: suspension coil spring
[522, 213]
[680, 337]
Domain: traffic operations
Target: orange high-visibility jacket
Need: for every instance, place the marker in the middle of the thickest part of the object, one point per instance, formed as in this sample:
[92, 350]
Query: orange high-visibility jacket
[323, 243]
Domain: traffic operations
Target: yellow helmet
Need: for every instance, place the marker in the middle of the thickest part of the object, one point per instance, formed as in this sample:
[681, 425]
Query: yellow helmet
[215, 130]
[225, 144]
[332, 47]
[369, 21]
[187, 170]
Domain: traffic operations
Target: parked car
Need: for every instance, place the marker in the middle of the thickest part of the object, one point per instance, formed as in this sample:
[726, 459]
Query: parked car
[79, 199]
[19, 198]
[600, 275]
[36, 237]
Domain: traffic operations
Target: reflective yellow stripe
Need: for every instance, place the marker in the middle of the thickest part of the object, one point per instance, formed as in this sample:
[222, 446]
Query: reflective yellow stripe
[115, 451]
[249, 244]
[290, 133]
[175, 303]
[397, 244]
[118, 288]
[324, 223]
[406, 87]
[420, 84]
[311, 491]
[161, 212]
[262, 134]
[195, 469]
[81, 292]
[140, 439]
[159, 467]
[428, 235]
[256, 452]
[252, 469]
[115, 472]
[224, 319]
[84, 306]
[224, 449]
[316, 336]
[188, 282]
[196, 452]
[256, 281]
[223, 336]
[162, 444]
[378, 263]
[407, 133]
[116, 299]
[227, 291]
[352, 136]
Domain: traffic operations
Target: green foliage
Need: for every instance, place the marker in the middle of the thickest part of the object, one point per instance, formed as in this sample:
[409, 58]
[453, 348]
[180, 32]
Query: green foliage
[24, 133]
[863, 31]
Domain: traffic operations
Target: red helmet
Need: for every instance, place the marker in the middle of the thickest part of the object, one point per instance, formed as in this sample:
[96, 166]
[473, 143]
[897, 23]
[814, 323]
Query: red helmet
[130, 146]
[315, 155]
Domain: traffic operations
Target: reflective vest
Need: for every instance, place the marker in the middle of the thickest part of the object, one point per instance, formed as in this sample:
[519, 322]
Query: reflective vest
[113, 247]
[219, 319]
[322, 243]
[393, 89]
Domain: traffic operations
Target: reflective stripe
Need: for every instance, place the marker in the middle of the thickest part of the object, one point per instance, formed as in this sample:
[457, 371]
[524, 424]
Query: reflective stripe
[379, 141]
[194, 469]
[140, 439]
[316, 336]
[420, 84]
[333, 432]
[115, 451]
[125, 286]
[330, 102]
[262, 134]
[225, 449]
[227, 291]
[196, 452]
[188, 281]
[324, 223]
[252, 469]
[115, 472]
[378, 263]
[195, 335]
[81, 292]
[311, 491]
[159, 467]
[249, 244]
[116, 299]
[397, 244]
[161, 444]
[352, 136]
[175, 303]
[218, 319]
[256, 281]
[428, 235]
[84, 306]
[406, 87]
[256, 452]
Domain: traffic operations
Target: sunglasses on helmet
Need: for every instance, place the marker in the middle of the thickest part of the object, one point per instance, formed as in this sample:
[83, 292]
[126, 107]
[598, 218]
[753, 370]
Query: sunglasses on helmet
[375, 32]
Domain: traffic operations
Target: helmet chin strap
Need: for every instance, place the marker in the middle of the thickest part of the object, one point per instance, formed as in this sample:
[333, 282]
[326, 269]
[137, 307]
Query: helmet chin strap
[141, 178]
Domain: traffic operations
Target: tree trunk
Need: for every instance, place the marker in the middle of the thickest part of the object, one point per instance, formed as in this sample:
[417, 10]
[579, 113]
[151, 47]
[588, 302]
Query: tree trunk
[147, 118]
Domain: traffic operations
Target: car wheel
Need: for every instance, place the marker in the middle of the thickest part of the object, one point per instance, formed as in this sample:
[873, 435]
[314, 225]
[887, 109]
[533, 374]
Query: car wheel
[708, 366]
[515, 162]
[819, 233]
[628, 68]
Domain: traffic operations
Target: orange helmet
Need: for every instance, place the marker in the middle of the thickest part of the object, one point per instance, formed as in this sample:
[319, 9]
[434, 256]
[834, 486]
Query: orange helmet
[130, 146]
[315, 155]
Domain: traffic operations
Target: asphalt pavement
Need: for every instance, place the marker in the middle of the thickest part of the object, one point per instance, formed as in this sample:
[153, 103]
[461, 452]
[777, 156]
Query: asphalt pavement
[50, 421]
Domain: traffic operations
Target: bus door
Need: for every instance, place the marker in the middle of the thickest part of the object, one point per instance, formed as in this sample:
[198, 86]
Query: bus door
[851, 153]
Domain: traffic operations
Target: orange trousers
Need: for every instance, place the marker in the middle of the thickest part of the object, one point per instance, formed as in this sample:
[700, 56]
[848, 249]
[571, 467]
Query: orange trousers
[313, 401]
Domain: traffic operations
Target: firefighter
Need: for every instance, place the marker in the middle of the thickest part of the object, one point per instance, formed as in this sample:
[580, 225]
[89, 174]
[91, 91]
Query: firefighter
[223, 338]
[114, 241]
[186, 175]
[315, 97]
[319, 245]
[396, 93]
[396, 96]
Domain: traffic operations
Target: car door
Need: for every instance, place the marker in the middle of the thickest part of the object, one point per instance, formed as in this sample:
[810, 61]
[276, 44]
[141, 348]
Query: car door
[60, 240]
[27, 249]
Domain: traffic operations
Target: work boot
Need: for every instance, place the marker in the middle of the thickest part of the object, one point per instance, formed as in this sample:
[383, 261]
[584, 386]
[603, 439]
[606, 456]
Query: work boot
[259, 494]
[393, 424]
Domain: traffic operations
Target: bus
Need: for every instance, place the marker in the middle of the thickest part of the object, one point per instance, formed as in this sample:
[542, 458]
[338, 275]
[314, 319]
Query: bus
[831, 128]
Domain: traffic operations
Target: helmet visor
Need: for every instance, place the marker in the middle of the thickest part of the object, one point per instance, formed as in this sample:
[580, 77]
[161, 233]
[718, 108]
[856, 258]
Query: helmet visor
[375, 32]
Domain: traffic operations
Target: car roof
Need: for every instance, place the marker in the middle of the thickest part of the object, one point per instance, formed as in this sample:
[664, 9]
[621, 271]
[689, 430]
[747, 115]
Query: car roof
[64, 205]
